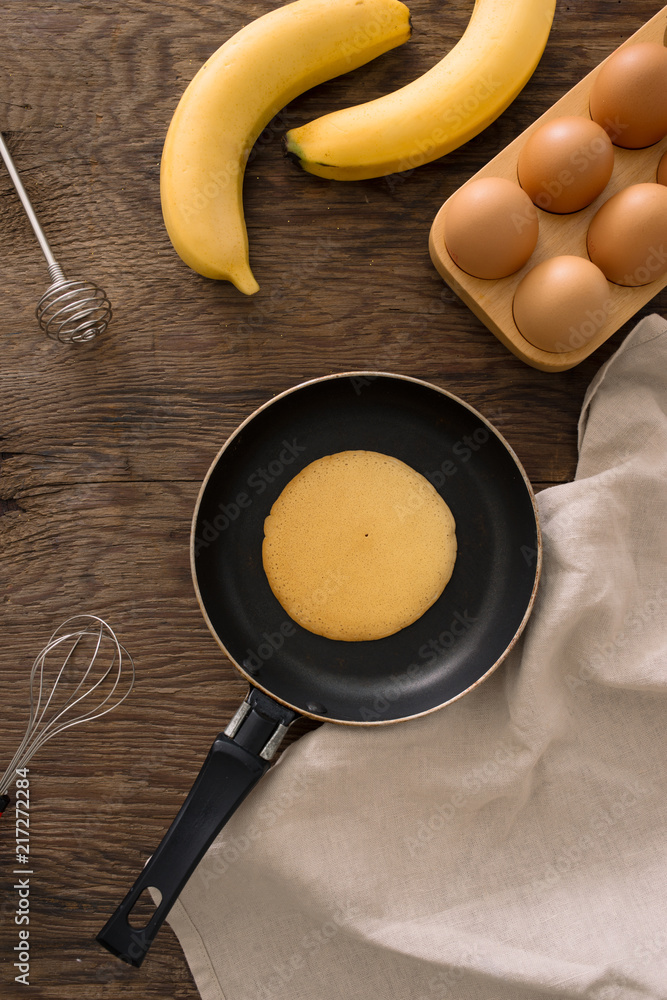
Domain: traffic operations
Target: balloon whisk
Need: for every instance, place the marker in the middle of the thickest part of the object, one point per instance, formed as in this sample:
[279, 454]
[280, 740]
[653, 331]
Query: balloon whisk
[82, 673]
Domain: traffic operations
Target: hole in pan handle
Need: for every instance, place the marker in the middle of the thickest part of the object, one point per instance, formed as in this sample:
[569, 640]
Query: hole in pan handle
[235, 763]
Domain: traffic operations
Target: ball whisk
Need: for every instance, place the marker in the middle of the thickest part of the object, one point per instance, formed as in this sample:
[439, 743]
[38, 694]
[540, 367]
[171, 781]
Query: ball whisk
[82, 673]
[71, 311]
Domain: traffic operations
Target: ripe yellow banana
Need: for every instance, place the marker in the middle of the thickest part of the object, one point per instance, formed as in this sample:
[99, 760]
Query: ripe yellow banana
[233, 97]
[447, 106]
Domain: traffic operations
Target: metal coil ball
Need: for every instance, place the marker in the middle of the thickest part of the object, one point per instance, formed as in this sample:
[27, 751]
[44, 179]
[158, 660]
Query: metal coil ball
[74, 312]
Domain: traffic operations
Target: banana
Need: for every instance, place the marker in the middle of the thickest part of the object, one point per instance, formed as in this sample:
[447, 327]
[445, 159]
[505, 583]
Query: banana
[233, 97]
[447, 106]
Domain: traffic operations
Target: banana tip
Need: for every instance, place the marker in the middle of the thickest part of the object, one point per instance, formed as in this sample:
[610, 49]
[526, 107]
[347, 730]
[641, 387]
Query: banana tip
[246, 284]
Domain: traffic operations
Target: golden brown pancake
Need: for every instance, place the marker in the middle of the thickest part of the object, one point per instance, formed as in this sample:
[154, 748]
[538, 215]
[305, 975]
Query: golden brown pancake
[358, 545]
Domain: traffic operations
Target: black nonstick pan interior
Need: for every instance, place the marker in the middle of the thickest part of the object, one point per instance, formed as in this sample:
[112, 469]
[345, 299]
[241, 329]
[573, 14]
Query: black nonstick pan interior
[460, 639]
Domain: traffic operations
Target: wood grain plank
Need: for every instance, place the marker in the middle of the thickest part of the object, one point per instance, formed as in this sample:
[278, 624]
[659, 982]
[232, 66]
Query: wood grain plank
[102, 449]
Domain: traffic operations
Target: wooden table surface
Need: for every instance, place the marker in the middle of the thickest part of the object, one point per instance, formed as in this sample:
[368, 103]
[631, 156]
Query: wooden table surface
[103, 447]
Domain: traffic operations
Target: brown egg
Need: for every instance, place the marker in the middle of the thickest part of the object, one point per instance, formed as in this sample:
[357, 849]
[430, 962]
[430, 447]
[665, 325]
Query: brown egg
[565, 164]
[662, 170]
[627, 237]
[560, 304]
[629, 95]
[490, 227]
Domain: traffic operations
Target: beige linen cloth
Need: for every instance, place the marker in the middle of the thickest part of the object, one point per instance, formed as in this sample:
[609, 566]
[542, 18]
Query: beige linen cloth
[512, 845]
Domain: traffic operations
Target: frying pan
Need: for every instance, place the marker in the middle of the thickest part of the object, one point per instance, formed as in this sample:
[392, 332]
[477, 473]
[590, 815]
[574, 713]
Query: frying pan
[292, 672]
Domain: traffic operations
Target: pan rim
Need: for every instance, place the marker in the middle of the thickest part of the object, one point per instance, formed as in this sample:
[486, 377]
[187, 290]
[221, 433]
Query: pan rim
[368, 374]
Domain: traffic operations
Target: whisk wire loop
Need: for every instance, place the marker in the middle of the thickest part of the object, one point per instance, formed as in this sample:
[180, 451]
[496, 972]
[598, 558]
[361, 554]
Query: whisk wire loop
[106, 691]
[73, 311]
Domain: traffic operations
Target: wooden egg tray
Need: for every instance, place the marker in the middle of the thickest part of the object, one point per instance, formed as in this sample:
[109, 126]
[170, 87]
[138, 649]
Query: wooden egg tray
[491, 300]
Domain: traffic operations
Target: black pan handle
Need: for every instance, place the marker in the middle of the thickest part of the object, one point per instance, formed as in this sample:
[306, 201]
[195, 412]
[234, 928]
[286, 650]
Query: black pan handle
[235, 763]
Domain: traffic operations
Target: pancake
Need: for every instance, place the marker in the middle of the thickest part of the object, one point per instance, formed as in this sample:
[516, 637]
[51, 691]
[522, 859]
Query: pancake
[358, 545]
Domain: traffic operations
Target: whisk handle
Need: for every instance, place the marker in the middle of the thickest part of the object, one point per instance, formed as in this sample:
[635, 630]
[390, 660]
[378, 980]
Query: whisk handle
[27, 205]
[232, 768]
